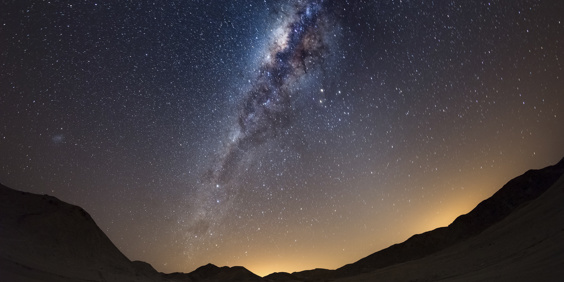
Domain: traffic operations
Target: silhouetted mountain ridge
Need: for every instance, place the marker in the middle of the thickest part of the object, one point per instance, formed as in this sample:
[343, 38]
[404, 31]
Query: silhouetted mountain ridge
[210, 272]
[515, 194]
[45, 239]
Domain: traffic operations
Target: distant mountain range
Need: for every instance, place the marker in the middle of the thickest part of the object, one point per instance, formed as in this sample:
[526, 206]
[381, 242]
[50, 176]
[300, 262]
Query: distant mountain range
[515, 235]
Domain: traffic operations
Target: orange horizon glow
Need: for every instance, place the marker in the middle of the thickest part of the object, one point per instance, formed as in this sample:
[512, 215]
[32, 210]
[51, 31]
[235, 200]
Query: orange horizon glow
[263, 262]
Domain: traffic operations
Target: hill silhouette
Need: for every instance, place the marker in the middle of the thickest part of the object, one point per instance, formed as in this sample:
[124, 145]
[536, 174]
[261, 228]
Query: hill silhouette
[515, 235]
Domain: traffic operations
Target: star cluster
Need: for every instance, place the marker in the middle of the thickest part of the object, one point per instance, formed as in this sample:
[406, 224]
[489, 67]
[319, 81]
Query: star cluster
[277, 135]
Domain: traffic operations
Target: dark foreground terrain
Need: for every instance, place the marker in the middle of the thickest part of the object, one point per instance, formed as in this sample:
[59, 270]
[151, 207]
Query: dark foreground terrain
[515, 235]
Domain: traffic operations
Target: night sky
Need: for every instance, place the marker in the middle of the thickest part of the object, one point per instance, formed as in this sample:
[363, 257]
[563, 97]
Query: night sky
[276, 135]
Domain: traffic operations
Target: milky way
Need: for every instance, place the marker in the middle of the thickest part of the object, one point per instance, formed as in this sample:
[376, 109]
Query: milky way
[298, 46]
[267, 108]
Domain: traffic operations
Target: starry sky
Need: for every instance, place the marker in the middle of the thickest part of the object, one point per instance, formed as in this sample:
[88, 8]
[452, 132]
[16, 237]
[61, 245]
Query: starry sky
[276, 135]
